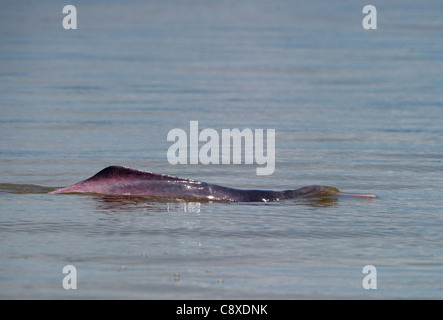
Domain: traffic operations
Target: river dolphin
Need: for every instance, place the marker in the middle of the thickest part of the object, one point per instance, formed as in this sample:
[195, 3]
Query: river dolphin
[115, 180]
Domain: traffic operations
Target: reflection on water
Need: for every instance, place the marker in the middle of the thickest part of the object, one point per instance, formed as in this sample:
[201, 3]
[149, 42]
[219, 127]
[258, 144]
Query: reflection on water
[145, 203]
[125, 203]
[320, 202]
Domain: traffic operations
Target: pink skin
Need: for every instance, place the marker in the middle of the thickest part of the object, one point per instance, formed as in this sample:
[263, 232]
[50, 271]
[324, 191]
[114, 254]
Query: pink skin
[125, 181]
[361, 195]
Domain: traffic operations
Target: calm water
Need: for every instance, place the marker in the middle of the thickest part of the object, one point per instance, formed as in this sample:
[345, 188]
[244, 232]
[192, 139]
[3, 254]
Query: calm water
[361, 110]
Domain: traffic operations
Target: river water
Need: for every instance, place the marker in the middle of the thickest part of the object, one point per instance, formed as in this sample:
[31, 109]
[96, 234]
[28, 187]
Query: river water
[360, 110]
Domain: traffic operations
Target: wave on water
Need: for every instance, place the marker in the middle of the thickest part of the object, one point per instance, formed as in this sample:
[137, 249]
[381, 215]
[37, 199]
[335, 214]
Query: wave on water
[24, 188]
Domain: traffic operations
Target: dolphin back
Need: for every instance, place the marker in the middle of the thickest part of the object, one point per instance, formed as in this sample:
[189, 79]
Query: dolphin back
[116, 180]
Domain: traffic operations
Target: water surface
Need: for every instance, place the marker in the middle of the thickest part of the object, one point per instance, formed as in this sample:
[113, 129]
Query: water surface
[357, 109]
